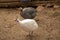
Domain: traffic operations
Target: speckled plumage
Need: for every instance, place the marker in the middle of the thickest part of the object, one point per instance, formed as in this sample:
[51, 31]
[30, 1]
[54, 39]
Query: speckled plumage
[28, 13]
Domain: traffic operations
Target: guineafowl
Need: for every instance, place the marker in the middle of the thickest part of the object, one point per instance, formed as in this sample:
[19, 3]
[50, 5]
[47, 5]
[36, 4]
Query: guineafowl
[25, 0]
[29, 25]
[28, 13]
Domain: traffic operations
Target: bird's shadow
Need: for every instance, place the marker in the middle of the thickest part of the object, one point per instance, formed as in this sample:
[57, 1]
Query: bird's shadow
[31, 37]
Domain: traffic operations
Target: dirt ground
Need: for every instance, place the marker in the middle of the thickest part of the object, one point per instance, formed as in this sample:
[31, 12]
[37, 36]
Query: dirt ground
[49, 25]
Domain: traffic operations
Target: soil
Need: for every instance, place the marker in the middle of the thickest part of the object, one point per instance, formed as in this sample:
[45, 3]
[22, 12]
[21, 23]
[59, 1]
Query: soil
[49, 24]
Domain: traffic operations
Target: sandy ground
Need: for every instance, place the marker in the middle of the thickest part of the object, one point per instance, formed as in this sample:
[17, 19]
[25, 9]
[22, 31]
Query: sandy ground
[49, 25]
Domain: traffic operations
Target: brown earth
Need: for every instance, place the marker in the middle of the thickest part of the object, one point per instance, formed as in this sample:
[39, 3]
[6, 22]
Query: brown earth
[49, 25]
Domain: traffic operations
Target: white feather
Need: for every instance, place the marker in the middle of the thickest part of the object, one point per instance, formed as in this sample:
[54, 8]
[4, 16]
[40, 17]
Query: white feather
[28, 24]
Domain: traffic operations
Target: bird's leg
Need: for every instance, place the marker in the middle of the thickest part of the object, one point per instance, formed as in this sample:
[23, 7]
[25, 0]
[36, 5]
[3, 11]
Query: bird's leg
[30, 33]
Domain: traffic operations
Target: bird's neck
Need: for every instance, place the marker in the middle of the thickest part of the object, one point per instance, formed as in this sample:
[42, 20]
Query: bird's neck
[20, 21]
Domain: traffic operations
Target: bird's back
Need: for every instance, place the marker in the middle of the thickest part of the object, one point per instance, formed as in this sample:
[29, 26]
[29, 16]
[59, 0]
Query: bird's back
[28, 13]
[29, 24]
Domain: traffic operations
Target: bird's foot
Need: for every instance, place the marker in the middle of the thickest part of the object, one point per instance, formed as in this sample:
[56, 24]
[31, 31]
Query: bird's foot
[30, 34]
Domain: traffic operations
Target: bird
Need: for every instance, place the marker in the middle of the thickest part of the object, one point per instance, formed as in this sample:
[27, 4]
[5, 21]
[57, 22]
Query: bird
[28, 25]
[28, 13]
[25, 0]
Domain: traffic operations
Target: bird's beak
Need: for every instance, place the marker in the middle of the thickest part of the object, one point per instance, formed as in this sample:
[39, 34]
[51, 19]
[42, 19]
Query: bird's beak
[17, 20]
